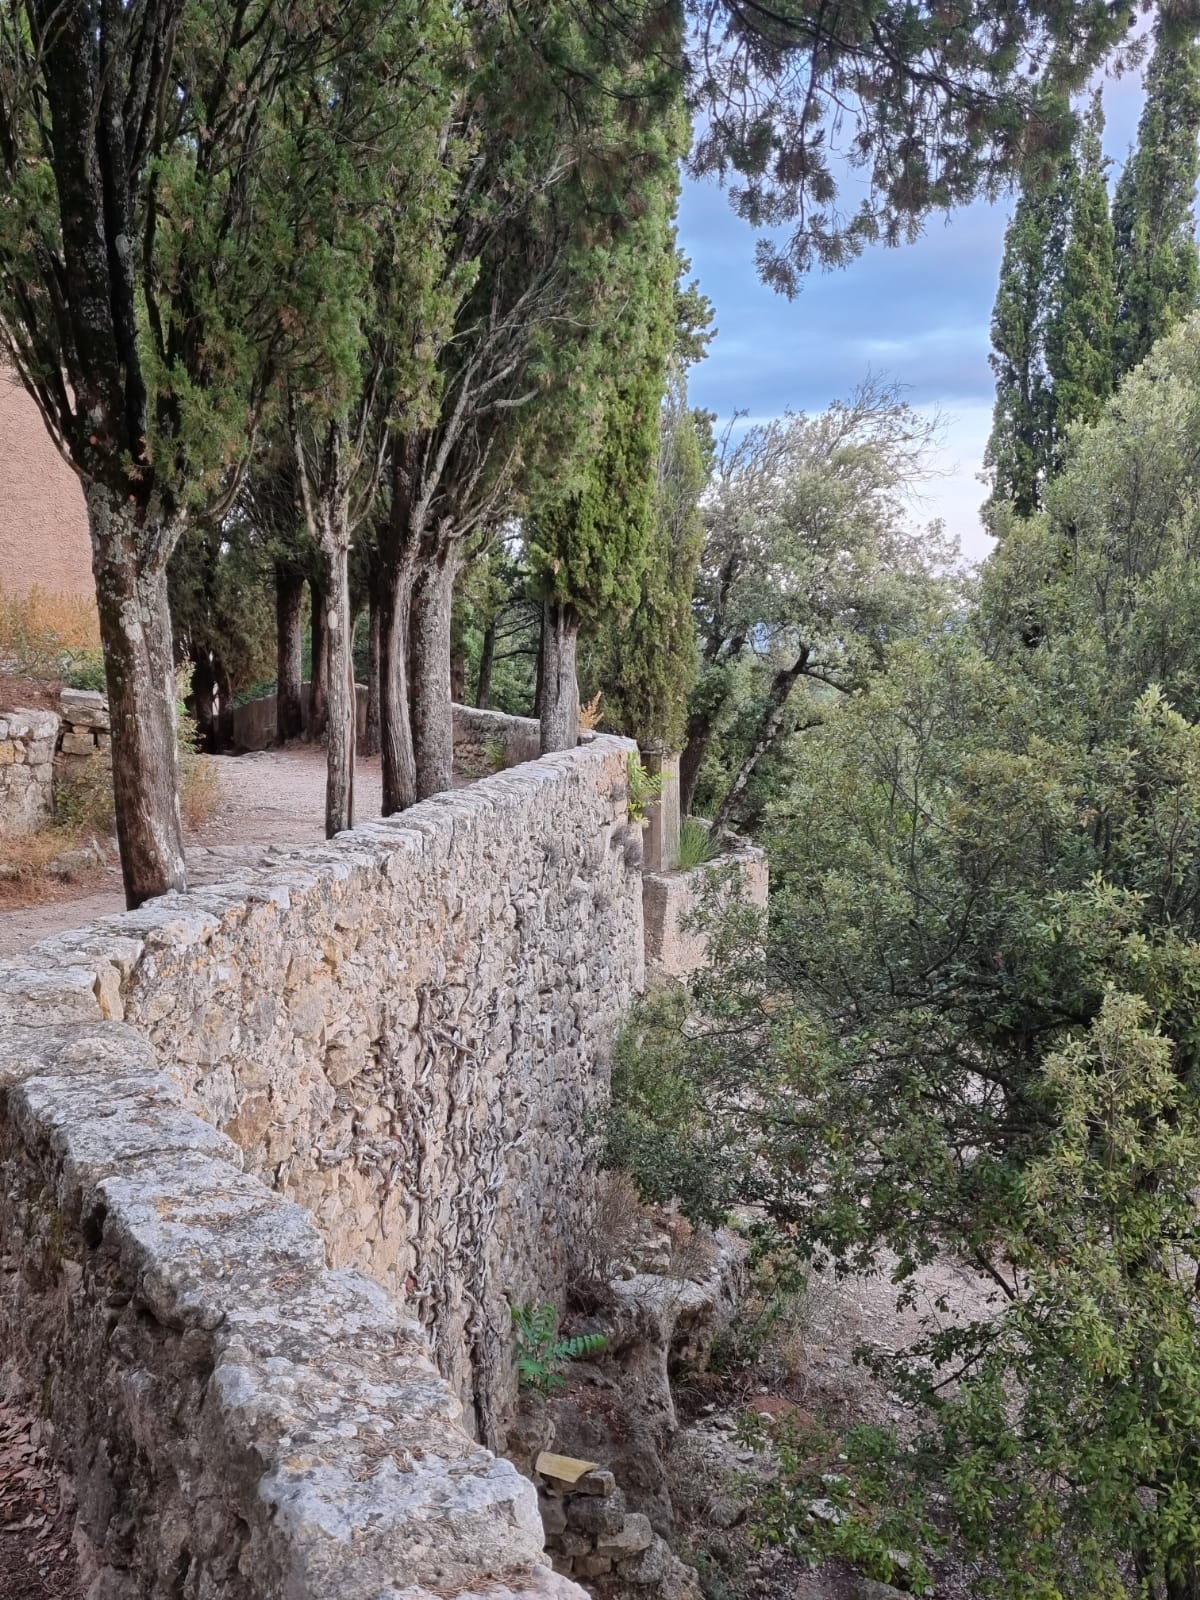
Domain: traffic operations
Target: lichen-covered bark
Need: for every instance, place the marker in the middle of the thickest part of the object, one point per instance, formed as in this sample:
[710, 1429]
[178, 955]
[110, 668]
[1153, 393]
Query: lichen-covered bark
[135, 629]
[558, 707]
[433, 715]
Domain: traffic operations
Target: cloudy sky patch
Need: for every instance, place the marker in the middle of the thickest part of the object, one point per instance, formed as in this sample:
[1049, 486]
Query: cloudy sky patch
[918, 314]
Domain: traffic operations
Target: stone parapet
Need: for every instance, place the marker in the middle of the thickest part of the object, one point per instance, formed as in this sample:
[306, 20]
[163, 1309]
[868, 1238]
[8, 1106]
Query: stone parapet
[277, 1154]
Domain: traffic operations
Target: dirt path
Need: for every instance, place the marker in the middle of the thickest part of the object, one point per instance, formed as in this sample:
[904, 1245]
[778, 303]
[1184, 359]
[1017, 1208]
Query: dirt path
[275, 797]
[37, 1561]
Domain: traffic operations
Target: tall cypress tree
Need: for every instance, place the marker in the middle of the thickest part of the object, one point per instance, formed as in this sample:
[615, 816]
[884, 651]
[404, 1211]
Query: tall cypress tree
[1079, 335]
[1158, 270]
[1022, 423]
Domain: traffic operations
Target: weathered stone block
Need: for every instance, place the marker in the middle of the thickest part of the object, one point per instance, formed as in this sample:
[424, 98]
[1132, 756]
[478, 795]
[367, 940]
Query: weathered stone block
[634, 1535]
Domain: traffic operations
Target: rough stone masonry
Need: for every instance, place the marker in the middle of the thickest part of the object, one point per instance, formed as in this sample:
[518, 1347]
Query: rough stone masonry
[276, 1157]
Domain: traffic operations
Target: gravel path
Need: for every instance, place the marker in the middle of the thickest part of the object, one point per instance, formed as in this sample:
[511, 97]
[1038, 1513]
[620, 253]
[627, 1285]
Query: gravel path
[273, 797]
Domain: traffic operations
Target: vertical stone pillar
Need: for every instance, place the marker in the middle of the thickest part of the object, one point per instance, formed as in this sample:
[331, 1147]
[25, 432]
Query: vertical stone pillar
[660, 844]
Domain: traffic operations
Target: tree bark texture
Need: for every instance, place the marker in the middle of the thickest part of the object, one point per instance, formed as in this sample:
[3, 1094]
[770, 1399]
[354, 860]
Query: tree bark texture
[318, 699]
[342, 718]
[289, 655]
[695, 748]
[135, 629]
[372, 733]
[432, 710]
[558, 711]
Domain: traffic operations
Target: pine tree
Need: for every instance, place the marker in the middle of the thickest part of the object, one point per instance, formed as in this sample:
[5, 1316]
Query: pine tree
[1079, 336]
[1158, 270]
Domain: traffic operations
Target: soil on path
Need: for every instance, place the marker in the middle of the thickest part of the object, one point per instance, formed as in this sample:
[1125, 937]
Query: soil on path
[37, 1561]
[275, 797]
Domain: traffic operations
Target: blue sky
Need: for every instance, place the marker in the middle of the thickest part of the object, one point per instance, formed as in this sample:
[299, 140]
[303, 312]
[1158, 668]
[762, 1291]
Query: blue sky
[918, 314]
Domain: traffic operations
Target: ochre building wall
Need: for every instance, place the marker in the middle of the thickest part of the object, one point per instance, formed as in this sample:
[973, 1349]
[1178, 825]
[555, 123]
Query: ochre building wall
[43, 524]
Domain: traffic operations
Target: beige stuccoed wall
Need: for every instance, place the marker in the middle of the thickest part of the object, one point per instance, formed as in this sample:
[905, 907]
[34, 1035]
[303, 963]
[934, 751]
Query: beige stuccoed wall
[43, 524]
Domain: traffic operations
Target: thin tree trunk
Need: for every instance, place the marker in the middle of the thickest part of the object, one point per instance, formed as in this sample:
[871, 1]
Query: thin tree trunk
[223, 729]
[559, 710]
[399, 761]
[372, 733]
[204, 685]
[432, 708]
[487, 655]
[342, 710]
[135, 629]
[695, 748]
[768, 731]
[289, 655]
[318, 698]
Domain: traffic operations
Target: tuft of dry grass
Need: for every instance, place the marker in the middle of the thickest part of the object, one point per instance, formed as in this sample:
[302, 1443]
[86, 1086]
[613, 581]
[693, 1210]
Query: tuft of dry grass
[38, 630]
[590, 714]
[199, 790]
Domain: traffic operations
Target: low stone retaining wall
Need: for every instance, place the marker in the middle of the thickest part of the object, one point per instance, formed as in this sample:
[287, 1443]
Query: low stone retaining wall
[404, 1031]
[85, 731]
[480, 736]
[26, 771]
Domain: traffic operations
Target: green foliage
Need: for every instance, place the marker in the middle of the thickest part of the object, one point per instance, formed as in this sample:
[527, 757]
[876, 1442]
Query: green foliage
[972, 1026]
[541, 1354]
[696, 843]
[838, 128]
[809, 564]
[642, 788]
[84, 669]
[645, 664]
[1079, 337]
[1019, 447]
[495, 753]
[1158, 266]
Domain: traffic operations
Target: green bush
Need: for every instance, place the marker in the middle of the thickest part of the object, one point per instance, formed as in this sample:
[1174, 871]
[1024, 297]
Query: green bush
[84, 669]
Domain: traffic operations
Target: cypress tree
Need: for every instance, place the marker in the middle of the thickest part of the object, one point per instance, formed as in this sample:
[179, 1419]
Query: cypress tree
[1079, 337]
[1158, 271]
[1018, 450]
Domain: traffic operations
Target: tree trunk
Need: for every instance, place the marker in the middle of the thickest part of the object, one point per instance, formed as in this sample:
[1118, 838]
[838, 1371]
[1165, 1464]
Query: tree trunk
[399, 761]
[204, 685]
[487, 655]
[223, 729]
[768, 731]
[699, 736]
[342, 710]
[372, 733]
[135, 629]
[432, 709]
[559, 708]
[289, 655]
[318, 702]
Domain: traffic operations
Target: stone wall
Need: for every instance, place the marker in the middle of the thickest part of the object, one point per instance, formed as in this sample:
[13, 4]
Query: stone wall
[675, 947]
[26, 771]
[86, 730]
[404, 1031]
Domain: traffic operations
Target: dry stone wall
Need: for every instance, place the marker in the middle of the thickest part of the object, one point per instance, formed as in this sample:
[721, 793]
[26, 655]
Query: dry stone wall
[268, 1148]
[26, 771]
